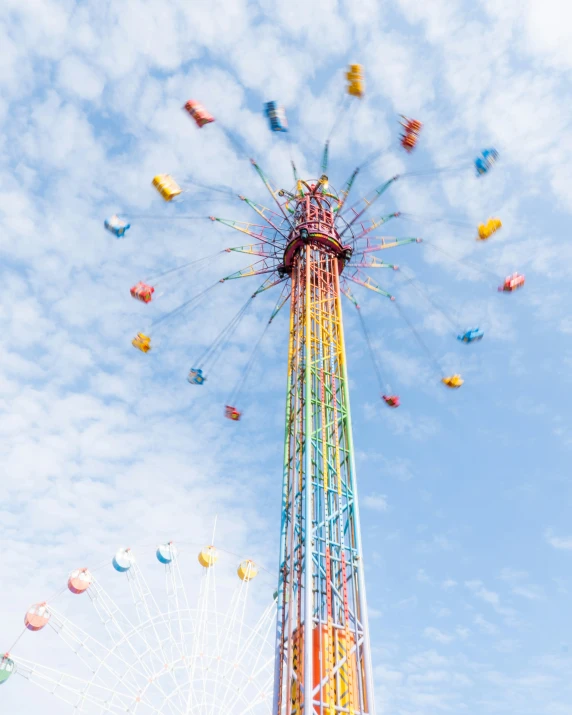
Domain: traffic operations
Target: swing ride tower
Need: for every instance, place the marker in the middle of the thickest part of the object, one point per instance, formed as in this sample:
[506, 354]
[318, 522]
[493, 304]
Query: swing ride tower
[323, 662]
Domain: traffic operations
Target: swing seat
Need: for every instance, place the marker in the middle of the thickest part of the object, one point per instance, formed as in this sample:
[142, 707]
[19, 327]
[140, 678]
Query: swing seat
[408, 141]
[142, 342]
[116, 225]
[232, 413]
[453, 381]
[198, 113]
[354, 75]
[195, 376]
[512, 283]
[471, 335]
[166, 186]
[391, 400]
[486, 230]
[485, 161]
[143, 292]
[276, 116]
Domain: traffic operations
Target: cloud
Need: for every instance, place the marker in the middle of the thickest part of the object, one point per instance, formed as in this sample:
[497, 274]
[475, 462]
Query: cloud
[80, 79]
[558, 542]
[436, 635]
[519, 587]
[481, 592]
[448, 583]
[377, 502]
[484, 625]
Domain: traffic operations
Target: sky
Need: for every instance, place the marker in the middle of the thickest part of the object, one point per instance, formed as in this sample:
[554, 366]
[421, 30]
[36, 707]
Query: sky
[465, 494]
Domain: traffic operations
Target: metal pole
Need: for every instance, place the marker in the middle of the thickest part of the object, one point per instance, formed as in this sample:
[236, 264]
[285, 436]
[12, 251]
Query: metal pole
[308, 546]
[370, 703]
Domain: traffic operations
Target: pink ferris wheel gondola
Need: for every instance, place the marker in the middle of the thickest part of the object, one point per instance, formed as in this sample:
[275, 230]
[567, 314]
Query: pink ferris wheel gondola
[37, 617]
[79, 580]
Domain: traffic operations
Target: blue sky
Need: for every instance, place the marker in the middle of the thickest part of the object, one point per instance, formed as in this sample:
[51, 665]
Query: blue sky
[465, 494]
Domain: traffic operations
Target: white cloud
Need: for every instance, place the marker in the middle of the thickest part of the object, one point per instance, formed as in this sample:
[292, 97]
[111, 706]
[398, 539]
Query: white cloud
[377, 502]
[484, 625]
[78, 78]
[519, 587]
[436, 635]
[558, 542]
[481, 592]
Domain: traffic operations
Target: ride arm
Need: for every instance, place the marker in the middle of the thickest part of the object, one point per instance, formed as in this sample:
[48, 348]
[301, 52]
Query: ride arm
[254, 249]
[355, 275]
[325, 157]
[346, 190]
[284, 297]
[294, 171]
[266, 214]
[368, 201]
[347, 292]
[270, 282]
[371, 262]
[369, 226]
[273, 191]
[266, 265]
[245, 227]
[386, 242]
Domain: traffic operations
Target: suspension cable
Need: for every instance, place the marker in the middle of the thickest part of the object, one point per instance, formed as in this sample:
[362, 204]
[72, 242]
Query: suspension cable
[372, 354]
[420, 340]
[212, 349]
[154, 279]
[249, 365]
[462, 261]
[417, 285]
[180, 308]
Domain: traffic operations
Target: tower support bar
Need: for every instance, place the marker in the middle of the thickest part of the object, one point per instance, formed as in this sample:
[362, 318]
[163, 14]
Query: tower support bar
[323, 664]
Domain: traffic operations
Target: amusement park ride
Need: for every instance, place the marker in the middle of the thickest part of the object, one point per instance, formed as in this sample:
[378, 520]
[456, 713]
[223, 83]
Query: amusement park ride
[315, 246]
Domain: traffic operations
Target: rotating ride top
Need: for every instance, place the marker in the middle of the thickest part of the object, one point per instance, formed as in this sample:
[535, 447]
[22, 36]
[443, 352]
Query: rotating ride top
[311, 213]
[147, 657]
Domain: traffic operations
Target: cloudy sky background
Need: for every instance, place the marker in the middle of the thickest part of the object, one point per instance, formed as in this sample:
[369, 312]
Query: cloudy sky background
[466, 495]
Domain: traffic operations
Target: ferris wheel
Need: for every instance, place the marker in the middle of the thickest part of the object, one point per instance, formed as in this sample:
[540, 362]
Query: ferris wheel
[147, 654]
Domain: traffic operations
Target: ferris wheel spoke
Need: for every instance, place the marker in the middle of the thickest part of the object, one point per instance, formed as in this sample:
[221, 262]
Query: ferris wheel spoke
[244, 651]
[127, 638]
[148, 612]
[100, 660]
[73, 690]
[207, 595]
[264, 693]
[177, 603]
[236, 615]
